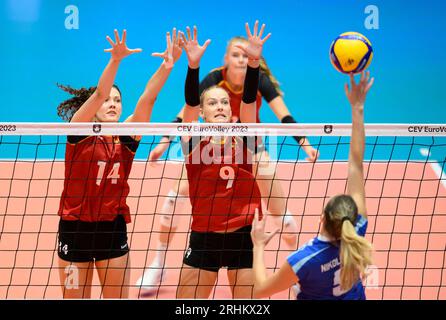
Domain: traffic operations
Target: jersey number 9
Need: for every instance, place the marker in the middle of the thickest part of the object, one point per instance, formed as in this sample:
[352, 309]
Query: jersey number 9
[227, 173]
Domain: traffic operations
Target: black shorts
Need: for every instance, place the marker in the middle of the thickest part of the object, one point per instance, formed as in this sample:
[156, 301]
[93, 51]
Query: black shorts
[211, 251]
[81, 241]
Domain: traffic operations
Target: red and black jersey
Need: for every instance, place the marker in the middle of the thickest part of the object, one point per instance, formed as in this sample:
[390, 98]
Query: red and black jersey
[96, 173]
[222, 189]
[219, 77]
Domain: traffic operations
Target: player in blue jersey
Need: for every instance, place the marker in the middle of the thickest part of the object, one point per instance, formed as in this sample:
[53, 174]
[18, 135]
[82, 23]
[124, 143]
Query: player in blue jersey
[332, 265]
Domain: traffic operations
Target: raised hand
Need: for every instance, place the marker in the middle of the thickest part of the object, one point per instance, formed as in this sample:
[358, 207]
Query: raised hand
[258, 235]
[119, 48]
[173, 51]
[193, 49]
[255, 41]
[358, 92]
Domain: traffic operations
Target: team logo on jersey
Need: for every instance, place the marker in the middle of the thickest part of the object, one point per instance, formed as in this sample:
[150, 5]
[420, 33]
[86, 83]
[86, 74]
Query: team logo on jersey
[328, 128]
[97, 128]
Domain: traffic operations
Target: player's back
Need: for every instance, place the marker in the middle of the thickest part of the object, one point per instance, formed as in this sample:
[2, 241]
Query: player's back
[317, 266]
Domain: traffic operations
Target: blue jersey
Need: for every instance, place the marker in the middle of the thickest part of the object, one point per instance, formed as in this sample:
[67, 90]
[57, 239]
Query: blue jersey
[317, 265]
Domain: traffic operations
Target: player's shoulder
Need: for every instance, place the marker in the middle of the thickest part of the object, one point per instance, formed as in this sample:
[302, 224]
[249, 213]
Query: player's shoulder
[218, 70]
[361, 220]
[213, 78]
[306, 250]
[309, 251]
[361, 225]
[262, 73]
[74, 140]
[313, 245]
[216, 74]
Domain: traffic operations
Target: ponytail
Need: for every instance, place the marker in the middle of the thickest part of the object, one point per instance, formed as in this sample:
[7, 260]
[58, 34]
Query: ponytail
[355, 254]
[68, 108]
[355, 251]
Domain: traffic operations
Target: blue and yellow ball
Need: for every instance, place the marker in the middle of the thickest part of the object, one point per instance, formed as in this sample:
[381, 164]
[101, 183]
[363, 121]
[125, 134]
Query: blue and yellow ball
[351, 52]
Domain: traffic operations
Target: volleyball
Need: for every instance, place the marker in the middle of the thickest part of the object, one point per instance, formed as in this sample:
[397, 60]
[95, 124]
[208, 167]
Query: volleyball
[351, 52]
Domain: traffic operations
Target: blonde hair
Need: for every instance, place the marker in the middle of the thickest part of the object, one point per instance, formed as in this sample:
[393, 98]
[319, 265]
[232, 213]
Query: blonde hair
[340, 214]
[263, 65]
[203, 94]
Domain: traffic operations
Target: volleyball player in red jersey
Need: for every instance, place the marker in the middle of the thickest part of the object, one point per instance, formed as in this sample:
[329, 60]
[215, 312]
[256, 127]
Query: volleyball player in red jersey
[222, 188]
[93, 210]
[231, 77]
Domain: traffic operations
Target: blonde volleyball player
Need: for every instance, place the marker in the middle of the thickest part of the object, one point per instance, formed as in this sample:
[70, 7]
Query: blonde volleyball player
[230, 77]
[223, 190]
[330, 266]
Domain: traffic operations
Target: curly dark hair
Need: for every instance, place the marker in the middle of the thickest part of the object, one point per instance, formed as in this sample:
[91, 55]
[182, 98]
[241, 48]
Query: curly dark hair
[68, 108]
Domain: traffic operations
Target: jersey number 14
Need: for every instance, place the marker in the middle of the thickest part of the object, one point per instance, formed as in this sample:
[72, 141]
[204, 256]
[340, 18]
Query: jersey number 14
[113, 175]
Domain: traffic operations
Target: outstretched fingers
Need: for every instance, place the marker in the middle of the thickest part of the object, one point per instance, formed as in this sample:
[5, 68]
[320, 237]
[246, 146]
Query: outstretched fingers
[137, 50]
[257, 34]
[259, 226]
[352, 80]
[182, 37]
[266, 38]
[159, 54]
[248, 32]
[366, 83]
[347, 91]
[369, 85]
[366, 79]
[124, 36]
[270, 236]
[110, 41]
[119, 48]
[174, 36]
[206, 43]
[195, 34]
[118, 40]
[256, 28]
[362, 79]
[168, 41]
[257, 222]
[189, 37]
[261, 30]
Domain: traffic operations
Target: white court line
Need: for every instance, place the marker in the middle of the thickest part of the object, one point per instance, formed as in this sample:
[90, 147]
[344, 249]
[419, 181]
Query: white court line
[435, 167]
[439, 172]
